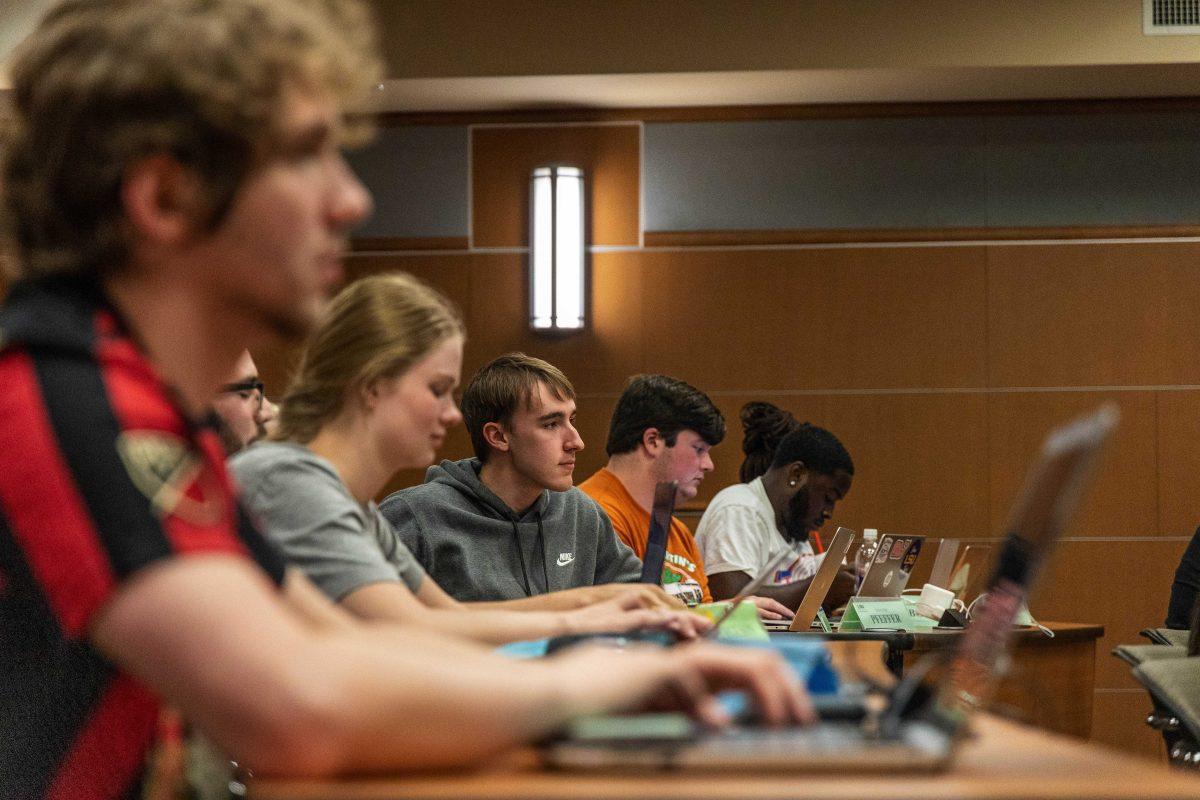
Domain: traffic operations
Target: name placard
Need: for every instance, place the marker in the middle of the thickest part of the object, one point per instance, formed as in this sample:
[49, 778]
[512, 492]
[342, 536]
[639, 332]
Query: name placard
[883, 614]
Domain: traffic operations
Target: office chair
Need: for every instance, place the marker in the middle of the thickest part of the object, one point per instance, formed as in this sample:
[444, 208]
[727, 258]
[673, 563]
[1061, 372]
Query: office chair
[1174, 687]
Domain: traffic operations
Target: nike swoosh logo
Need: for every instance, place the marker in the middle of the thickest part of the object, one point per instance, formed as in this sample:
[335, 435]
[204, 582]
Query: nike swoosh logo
[565, 558]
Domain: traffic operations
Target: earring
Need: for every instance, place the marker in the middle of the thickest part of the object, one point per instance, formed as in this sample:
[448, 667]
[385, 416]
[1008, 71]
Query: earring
[791, 483]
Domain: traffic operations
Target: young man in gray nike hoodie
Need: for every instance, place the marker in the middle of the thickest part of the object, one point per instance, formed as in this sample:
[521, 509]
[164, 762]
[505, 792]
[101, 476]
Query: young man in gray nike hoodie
[509, 523]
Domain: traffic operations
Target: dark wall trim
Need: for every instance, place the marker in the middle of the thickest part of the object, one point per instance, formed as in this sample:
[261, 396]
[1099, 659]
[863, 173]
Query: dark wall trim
[830, 111]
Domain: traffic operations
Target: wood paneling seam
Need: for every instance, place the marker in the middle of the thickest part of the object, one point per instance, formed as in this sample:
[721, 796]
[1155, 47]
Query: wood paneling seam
[791, 111]
[580, 124]
[989, 489]
[1158, 486]
[641, 184]
[401, 253]
[470, 188]
[920, 391]
[734, 248]
[958, 243]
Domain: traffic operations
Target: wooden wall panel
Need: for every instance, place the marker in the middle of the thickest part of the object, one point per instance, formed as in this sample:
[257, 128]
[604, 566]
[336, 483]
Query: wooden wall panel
[1119, 720]
[489, 288]
[593, 414]
[1123, 500]
[892, 439]
[817, 319]
[878, 345]
[1123, 585]
[1093, 315]
[596, 359]
[449, 273]
[1178, 462]
[276, 362]
[502, 159]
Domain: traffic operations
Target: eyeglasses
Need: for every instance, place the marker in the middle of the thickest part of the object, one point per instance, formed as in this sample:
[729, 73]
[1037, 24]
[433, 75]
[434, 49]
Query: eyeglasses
[249, 389]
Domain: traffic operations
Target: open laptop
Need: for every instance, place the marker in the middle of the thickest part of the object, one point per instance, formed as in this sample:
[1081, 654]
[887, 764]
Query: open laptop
[660, 527]
[751, 588]
[943, 563]
[888, 572]
[818, 588]
[968, 579]
[922, 725]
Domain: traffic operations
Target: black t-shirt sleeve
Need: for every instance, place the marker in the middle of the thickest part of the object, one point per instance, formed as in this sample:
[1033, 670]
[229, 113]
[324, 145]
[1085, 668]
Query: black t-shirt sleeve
[1186, 587]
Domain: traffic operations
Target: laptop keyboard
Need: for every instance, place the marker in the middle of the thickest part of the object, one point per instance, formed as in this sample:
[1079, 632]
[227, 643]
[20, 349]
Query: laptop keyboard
[765, 740]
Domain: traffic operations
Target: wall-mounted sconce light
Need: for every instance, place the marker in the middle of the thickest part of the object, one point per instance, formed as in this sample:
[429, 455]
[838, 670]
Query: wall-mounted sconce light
[556, 249]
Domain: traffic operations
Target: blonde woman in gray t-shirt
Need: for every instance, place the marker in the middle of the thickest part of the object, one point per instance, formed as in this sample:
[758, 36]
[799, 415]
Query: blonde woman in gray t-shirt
[374, 394]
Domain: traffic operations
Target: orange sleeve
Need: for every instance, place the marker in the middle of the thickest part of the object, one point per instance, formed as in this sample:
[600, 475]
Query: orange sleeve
[630, 533]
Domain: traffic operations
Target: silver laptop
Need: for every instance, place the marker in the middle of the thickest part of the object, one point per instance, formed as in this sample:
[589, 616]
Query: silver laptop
[922, 725]
[888, 572]
[943, 563]
[968, 579]
[818, 587]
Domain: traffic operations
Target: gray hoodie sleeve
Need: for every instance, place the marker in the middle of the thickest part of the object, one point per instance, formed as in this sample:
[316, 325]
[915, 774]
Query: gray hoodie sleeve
[399, 514]
[615, 561]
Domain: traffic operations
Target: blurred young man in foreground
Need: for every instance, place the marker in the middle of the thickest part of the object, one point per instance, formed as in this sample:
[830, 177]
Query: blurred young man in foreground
[175, 192]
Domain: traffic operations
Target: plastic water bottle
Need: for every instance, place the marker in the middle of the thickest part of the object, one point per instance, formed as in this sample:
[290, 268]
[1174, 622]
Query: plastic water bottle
[862, 559]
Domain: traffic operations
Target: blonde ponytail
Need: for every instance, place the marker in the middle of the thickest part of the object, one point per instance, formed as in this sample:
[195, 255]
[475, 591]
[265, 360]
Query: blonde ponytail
[375, 328]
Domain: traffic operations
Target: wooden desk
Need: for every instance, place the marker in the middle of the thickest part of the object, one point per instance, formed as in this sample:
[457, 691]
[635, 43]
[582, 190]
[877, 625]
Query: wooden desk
[1051, 683]
[1004, 761]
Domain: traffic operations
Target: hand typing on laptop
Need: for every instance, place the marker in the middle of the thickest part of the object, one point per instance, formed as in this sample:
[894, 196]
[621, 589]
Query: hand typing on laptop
[625, 613]
[643, 595]
[769, 608]
[685, 678]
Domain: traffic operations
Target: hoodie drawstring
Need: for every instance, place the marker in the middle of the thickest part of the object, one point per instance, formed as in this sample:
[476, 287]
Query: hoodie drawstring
[541, 540]
[542, 550]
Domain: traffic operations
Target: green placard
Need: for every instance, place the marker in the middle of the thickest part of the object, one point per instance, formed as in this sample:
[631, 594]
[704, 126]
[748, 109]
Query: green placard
[742, 623]
[883, 614]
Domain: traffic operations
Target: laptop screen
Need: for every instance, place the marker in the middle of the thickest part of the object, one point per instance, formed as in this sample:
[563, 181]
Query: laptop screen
[1052, 492]
[660, 526]
[888, 573]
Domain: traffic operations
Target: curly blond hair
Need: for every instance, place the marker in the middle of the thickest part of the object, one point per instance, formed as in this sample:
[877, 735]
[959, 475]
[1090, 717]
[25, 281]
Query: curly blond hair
[103, 83]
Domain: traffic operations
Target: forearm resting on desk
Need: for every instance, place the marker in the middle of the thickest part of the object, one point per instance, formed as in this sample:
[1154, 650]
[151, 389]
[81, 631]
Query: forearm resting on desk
[645, 594]
[434, 610]
[287, 692]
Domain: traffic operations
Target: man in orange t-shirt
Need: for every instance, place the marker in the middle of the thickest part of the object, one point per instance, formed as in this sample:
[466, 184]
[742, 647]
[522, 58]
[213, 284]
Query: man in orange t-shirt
[662, 429]
[683, 571]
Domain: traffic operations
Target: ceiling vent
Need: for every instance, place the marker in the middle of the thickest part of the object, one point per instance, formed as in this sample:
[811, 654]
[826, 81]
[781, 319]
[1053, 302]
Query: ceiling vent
[1170, 17]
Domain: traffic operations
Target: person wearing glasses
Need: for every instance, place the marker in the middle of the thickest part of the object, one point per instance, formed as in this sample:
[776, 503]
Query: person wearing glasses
[173, 191]
[245, 413]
